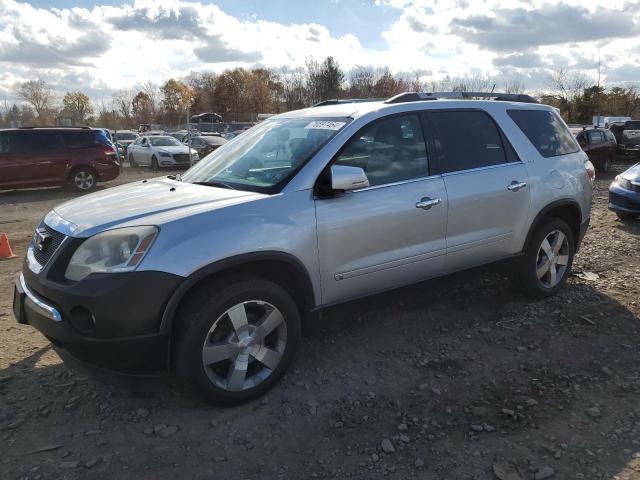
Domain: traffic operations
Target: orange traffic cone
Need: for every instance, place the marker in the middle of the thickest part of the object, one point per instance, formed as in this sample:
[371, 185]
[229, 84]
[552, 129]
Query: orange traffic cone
[5, 249]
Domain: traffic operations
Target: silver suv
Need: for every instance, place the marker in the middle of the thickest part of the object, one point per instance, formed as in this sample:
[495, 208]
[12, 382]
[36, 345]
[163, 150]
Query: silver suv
[212, 274]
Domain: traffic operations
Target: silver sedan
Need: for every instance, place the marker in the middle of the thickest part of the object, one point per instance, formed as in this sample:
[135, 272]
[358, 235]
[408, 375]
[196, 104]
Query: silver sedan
[160, 151]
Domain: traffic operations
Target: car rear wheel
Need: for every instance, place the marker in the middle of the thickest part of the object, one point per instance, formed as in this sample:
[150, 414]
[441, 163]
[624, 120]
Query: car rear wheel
[626, 216]
[83, 180]
[154, 164]
[236, 340]
[547, 261]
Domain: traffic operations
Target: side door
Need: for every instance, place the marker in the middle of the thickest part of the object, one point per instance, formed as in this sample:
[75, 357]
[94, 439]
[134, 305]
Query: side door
[38, 157]
[143, 153]
[390, 233]
[486, 183]
[597, 147]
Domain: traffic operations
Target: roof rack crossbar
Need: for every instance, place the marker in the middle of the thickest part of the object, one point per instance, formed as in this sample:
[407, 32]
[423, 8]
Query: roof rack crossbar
[421, 96]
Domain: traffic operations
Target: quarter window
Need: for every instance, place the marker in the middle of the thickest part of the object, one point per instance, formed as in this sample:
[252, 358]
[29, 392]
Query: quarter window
[389, 150]
[595, 136]
[463, 140]
[546, 131]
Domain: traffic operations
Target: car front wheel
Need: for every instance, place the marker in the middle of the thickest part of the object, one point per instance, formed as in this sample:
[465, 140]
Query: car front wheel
[236, 340]
[547, 260]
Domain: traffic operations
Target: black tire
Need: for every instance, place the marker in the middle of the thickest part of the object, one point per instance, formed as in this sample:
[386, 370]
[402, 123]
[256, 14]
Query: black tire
[132, 161]
[528, 280]
[83, 179]
[154, 164]
[625, 217]
[197, 319]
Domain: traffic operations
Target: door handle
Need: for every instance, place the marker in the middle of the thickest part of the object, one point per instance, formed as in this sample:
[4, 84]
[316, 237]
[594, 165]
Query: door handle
[515, 186]
[426, 203]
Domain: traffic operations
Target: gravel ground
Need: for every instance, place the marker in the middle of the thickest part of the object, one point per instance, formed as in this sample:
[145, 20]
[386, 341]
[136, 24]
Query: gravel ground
[458, 378]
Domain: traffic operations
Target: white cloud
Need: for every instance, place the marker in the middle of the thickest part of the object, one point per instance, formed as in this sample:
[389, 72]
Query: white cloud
[105, 48]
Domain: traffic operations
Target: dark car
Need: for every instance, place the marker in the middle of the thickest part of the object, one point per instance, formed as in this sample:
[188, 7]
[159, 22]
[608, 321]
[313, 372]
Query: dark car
[628, 136]
[124, 138]
[44, 157]
[599, 144]
[624, 194]
[206, 144]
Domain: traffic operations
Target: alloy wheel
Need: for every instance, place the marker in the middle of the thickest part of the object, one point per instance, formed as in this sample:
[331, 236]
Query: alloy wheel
[83, 180]
[244, 345]
[553, 259]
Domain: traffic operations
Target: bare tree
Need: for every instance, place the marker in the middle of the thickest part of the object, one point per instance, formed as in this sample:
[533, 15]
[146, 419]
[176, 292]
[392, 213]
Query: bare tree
[514, 86]
[123, 104]
[38, 94]
[566, 86]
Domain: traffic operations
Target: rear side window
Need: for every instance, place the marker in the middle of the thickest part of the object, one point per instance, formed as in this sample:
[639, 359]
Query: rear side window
[609, 136]
[83, 139]
[545, 131]
[36, 142]
[463, 140]
[388, 150]
[595, 137]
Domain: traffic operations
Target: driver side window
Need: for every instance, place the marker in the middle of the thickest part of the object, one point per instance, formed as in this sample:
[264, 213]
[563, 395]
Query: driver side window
[388, 150]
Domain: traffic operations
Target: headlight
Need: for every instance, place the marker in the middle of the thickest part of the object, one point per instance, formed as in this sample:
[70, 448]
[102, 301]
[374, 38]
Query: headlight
[623, 182]
[118, 250]
[164, 154]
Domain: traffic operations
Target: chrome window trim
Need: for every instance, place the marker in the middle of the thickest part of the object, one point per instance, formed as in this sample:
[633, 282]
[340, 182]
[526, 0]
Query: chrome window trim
[479, 169]
[394, 184]
[45, 309]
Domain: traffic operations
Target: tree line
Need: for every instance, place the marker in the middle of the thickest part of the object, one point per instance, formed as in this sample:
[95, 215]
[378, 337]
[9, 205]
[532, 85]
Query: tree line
[239, 94]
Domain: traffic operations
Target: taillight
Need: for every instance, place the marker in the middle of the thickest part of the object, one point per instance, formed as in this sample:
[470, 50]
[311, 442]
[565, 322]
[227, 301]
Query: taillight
[591, 170]
[107, 150]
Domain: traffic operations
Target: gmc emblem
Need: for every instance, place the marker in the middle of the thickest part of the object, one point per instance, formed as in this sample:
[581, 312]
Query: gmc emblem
[41, 239]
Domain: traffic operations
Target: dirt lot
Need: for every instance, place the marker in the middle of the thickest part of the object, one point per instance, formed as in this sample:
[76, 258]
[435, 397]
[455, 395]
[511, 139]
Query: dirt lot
[460, 378]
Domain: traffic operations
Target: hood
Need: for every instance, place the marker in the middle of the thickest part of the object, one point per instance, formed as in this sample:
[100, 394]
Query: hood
[174, 149]
[152, 202]
[632, 173]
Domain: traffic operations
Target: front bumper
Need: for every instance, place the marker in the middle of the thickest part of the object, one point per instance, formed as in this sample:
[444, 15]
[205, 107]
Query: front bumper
[112, 321]
[622, 200]
[628, 149]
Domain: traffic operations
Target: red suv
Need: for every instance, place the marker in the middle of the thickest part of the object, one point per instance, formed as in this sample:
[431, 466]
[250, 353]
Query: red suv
[44, 157]
[600, 146]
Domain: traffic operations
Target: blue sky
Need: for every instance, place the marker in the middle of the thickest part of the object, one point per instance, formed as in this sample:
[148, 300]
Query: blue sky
[105, 46]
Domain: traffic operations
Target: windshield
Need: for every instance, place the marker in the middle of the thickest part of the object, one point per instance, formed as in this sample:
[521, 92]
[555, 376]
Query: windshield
[164, 142]
[265, 157]
[126, 136]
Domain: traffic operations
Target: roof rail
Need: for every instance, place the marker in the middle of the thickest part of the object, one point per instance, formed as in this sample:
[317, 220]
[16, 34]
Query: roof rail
[53, 126]
[339, 101]
[420, 96]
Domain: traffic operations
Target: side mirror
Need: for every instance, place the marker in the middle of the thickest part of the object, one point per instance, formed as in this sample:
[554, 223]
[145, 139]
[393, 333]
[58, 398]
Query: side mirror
[346, 178]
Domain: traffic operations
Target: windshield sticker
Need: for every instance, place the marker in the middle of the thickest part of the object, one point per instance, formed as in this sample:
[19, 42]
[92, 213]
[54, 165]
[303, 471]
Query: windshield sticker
[325, 125]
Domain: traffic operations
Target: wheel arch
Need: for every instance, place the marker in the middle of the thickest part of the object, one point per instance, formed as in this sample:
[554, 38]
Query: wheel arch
[281, 268]
[567, 209]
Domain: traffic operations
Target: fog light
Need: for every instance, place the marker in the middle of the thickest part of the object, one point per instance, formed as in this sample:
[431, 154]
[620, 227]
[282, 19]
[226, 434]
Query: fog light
[82, 319]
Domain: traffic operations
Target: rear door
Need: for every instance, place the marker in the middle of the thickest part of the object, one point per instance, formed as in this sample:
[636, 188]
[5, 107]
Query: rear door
[597, 146]
[486, 184]
[392, 232]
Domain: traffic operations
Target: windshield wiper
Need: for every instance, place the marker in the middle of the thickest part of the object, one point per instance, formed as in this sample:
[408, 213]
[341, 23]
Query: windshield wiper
[215, 183]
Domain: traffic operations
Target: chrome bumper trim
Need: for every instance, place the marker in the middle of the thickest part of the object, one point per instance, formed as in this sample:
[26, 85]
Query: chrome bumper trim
[46, 310]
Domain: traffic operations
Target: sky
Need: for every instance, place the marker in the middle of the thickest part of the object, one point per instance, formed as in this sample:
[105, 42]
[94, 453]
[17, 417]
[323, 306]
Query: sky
[101, 47]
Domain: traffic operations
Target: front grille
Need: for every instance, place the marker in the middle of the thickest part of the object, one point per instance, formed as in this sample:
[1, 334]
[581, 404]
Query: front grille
[181, 157]
[49, 246]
